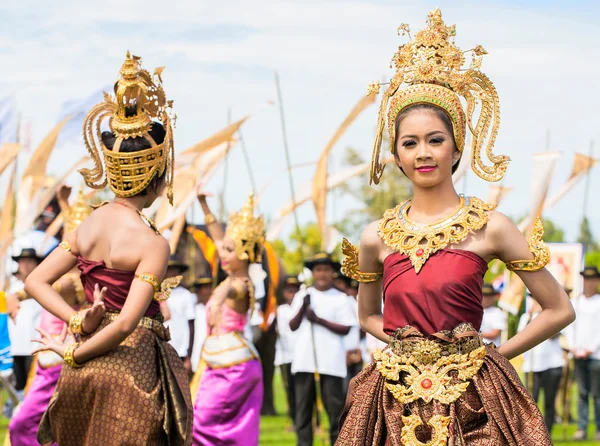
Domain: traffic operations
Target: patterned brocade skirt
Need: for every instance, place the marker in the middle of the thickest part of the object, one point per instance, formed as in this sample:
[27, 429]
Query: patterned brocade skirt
[137, 394]
[448, 389]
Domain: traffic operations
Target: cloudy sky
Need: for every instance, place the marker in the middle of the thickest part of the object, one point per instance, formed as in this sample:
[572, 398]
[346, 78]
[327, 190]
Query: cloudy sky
[222, 55]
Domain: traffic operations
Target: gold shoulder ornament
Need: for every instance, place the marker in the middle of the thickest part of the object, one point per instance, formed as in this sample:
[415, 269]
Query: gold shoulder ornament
[350, 265]
[538, 248]
[163, 291]
[419, 242]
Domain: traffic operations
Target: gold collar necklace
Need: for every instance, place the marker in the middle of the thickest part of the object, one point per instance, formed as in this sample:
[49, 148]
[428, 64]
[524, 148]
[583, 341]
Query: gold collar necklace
[146, 219]
[420, 241]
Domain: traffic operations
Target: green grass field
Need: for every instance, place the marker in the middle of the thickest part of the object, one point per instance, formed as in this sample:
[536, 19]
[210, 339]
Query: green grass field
[274, 430]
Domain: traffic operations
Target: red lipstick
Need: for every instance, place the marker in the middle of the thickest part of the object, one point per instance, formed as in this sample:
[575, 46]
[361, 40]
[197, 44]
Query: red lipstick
[424, 169]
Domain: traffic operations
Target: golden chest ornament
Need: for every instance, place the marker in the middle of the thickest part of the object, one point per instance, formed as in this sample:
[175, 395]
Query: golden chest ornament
[419, 242]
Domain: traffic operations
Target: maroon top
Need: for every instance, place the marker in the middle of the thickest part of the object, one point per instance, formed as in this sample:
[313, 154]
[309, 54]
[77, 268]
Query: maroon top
[446, 292]
[116, 281]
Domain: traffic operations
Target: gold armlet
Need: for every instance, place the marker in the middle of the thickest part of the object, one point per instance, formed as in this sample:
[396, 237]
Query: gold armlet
[68, 356]
[239, 288]
[538, 248]
[76, 324]
[209, 219]
[57, 286]
[350, 265]
[66, 246]
[22, 294]
[151, 279]
[165, 288]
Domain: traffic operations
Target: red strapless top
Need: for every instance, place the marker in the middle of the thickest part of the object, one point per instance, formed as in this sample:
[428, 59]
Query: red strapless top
[116, 281]
[446, 292]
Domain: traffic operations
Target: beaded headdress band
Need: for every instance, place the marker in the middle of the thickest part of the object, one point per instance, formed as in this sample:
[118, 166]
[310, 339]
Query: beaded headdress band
[247, 232]
[77, 213]
[140, 100]
[429, 70]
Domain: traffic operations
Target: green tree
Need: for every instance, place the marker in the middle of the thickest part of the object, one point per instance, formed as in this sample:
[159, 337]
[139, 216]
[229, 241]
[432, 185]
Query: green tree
[300, 246]
[552, 233]
[586, 237]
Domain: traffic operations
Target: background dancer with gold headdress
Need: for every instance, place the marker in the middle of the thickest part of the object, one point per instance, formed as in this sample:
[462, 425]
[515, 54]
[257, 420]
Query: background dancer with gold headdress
[229, 398]
[437, 383]
[24, 424]
[122, 383]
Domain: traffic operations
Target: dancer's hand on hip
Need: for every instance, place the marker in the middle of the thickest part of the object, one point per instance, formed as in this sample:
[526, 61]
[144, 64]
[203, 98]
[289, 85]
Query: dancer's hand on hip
[92, 317]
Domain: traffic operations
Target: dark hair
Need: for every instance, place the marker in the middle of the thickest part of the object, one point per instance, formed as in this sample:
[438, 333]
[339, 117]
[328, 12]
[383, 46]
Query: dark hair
[439, 112]
[157, 132]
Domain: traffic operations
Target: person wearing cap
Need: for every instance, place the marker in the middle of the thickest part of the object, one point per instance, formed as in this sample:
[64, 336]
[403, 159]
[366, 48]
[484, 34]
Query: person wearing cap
[203, 287]
[180, 314]
[284, 348]
[25, 316]
[322, 318]
[583, 340]
[546, 362]
[494, 320]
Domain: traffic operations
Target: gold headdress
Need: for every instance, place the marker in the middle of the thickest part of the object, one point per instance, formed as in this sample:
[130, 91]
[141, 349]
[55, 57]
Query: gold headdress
[429, 67]
[77, 213]
[247, 232]
[140, 99]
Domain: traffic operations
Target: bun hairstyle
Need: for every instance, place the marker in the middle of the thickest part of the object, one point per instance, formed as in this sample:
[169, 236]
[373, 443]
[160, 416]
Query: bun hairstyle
[137, 144]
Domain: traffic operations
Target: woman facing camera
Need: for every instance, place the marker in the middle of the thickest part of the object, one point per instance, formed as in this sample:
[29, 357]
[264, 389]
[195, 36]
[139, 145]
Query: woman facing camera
[437, 383]
[122, 383]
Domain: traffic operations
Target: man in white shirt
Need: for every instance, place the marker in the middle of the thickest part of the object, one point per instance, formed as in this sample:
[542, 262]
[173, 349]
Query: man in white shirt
[181, 315]
[323, 315]
[203, 287]
[494, 320]
[23, 323]
[546, 361]
[583, 339]
[284, 349]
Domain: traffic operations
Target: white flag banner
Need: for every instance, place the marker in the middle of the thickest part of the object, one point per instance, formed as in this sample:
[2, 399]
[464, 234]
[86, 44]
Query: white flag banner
[72, 133]
[9, 121]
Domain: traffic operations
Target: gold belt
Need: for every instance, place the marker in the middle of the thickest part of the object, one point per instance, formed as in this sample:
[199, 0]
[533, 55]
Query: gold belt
[154, 324]
[436, 368]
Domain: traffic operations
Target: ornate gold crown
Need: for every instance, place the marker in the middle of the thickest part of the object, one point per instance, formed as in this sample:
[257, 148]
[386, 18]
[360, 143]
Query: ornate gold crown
[247, 232]
[140, 99]
[77, 213]
[430, 67]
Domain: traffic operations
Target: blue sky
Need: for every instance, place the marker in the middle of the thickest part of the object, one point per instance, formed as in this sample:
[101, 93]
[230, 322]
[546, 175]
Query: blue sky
[221, 56]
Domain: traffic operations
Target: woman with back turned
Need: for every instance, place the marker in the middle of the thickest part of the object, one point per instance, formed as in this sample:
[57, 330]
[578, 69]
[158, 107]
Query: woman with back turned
[123, 383]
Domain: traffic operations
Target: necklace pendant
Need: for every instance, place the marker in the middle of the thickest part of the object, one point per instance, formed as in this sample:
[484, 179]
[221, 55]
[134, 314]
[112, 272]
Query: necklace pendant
[419, 241]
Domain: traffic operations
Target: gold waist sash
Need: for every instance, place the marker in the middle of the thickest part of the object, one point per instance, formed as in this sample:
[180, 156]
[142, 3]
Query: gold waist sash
[154, 324]
[436, 368]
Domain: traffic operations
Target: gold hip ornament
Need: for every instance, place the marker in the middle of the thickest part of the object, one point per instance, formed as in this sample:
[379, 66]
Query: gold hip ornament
[427, 377]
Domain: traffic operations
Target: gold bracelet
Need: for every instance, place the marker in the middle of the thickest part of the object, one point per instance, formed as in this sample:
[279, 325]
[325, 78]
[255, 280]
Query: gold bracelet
[76, 324]
[22, 294]
[209, 219]
[68, 356]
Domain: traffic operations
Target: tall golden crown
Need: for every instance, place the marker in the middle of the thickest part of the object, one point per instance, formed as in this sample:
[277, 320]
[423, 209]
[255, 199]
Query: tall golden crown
[247, 232]
[429, 70]
[76, 214]
[139, 100]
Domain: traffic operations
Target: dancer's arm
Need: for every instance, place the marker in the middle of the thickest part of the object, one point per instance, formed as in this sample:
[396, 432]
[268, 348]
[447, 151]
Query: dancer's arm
[154, 261]
[370, 312]
[214, 227]
[508, 244]
[39, 282]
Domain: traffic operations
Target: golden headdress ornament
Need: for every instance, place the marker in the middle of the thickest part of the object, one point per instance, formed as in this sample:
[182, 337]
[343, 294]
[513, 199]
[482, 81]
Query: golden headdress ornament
[77, 213]
[247, 232]
[429, 70]
[140, 100]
